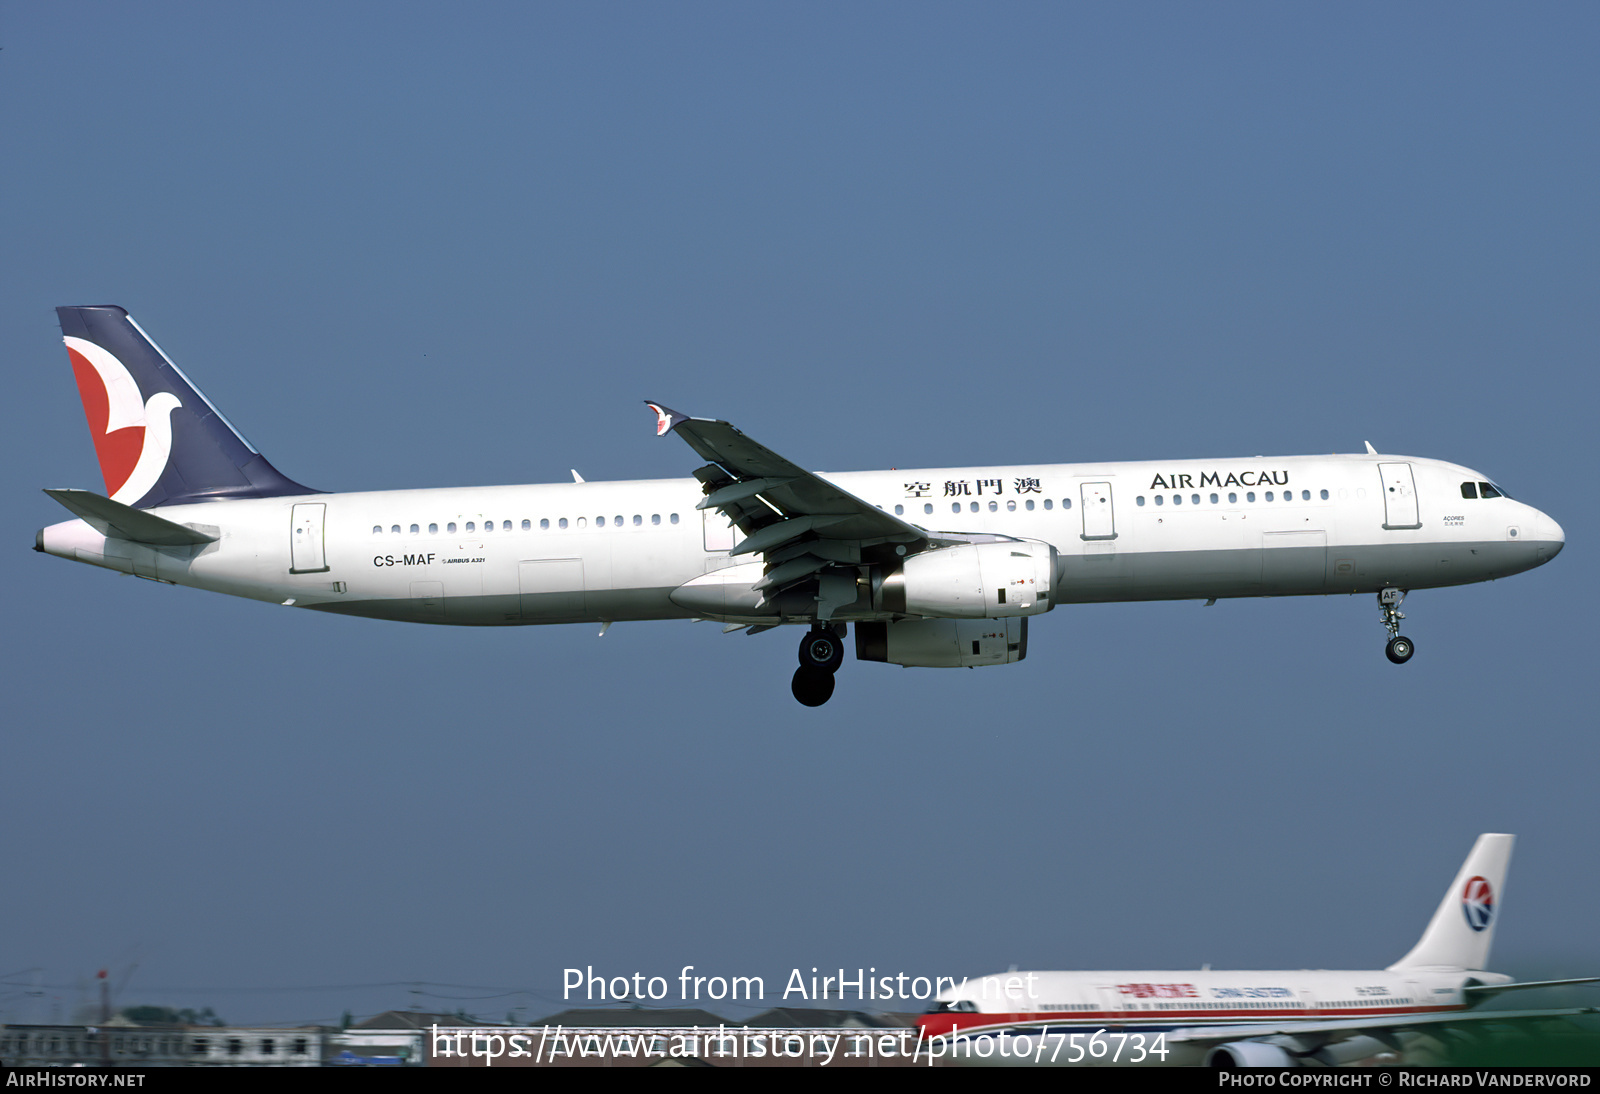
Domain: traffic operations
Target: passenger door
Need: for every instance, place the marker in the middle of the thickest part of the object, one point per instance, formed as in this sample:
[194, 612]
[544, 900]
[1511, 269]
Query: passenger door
[1399, 496]
[1099, 522]
[306, 551]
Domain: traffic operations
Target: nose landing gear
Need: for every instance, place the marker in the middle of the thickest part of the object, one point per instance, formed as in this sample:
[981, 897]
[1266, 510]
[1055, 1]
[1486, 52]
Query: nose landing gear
[1400, 648]
[821, 654]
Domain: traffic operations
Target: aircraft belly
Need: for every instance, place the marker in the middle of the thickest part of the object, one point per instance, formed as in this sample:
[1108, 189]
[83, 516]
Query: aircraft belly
[510, 610]
[1297, 567]
[1424, 565]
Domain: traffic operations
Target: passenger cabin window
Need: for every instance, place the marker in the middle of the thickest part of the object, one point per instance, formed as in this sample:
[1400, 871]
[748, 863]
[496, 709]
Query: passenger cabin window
[544, 524]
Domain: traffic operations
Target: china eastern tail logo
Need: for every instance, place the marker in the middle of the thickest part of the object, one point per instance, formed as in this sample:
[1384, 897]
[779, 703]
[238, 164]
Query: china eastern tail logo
[132, 437]
[1477, 903]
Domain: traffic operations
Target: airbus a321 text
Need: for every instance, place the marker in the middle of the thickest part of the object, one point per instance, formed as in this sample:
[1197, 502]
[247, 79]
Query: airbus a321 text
[1304, 1018]
[939, 568]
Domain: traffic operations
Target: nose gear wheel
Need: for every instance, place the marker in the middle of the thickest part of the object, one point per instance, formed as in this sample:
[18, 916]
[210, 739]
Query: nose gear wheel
[1400, 648]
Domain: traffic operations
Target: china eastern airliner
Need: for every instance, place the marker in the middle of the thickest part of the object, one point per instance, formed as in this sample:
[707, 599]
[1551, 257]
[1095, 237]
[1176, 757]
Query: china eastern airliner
[936, 568]
[1303, 1018]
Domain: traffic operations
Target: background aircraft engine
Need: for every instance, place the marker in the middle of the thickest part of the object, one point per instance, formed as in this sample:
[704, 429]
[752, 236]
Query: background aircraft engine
[943, 643]
[1251, 1054]
[973, 581]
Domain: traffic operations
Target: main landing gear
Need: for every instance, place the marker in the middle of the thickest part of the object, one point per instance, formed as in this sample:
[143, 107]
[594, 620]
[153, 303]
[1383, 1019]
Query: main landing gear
[821, 654]
[1399, 649]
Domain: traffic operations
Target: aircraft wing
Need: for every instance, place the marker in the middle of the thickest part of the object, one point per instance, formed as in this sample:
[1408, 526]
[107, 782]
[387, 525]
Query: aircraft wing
[811, 532]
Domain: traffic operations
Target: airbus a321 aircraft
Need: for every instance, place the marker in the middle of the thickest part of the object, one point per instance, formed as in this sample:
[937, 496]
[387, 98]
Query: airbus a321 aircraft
[1246, 1019]
[937, 568]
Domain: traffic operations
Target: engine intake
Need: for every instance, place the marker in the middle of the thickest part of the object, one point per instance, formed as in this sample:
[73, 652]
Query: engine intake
[972, 581]
[1251, 1054]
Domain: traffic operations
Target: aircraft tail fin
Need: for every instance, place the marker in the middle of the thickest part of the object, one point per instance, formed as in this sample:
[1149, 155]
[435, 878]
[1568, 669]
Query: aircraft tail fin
[1462, 928]
[159, 440]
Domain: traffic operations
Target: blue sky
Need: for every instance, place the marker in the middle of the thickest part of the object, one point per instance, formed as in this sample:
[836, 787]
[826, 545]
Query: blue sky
[416, 245]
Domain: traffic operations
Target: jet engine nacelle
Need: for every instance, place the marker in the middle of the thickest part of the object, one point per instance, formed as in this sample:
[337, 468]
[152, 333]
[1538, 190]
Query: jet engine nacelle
[943, 643]
[973, 581]
[1251, 1054]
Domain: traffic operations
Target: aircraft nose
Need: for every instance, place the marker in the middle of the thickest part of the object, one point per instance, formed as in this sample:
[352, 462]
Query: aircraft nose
[1550, 533]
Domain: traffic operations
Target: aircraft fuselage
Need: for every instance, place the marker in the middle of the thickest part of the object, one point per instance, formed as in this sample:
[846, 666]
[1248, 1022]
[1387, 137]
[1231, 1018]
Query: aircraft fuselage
[608, 551]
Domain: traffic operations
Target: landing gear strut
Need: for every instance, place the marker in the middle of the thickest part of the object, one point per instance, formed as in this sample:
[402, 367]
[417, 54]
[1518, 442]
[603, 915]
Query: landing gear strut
[821, 654]
[1400, 648]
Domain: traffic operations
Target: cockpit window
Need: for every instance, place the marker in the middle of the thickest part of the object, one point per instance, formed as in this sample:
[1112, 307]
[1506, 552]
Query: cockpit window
[1469, 490]
[961, 1006]
[1490, 490]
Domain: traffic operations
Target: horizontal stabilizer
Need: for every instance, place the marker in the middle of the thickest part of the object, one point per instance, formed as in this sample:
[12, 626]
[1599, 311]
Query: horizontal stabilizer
[112, 518]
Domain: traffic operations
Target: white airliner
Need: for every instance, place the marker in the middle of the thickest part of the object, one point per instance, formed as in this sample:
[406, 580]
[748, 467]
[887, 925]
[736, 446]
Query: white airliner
[1246, 1019]
[936, 568]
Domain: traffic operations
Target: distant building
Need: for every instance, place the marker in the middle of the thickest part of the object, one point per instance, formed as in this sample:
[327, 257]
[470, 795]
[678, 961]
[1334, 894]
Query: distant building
[395, 1038]
[122, 1045]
